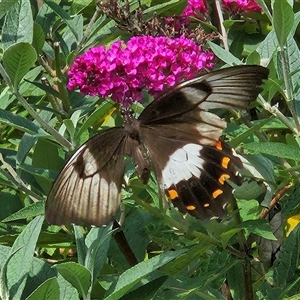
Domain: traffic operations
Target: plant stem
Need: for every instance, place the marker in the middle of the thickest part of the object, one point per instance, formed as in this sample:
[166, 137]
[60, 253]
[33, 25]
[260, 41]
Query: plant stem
[223, 30]
[288, 85]
[278, 114]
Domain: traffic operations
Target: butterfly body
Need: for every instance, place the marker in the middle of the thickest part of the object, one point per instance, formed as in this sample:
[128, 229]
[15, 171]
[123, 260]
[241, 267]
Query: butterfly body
[175, 135]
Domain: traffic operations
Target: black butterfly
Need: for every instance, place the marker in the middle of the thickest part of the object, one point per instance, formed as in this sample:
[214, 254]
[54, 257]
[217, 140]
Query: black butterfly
[176, 136]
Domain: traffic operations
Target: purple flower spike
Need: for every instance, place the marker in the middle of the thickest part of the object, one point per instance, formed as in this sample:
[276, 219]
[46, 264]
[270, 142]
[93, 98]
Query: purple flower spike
[235, 7]
[144, 63]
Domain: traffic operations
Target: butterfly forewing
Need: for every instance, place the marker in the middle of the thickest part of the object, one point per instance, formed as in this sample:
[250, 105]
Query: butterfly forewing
[234, 87]
[87, 190]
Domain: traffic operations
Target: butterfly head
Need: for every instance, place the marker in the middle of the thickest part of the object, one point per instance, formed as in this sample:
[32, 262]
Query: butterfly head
[127, 114]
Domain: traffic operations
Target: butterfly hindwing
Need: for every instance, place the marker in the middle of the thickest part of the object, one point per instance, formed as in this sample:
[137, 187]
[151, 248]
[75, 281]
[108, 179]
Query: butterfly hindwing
[87, 190]
[207, 194]
[186, 152]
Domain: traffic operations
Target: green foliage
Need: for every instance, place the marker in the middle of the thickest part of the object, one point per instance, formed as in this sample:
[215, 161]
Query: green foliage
[157, 253]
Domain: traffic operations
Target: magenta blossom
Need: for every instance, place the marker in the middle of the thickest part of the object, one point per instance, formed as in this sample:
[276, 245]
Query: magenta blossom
[235, 7]
[149, 63]
[196, 8]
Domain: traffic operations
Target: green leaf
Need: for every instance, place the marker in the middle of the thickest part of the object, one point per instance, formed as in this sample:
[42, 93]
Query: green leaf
[32, 210]
[45, 157]
[21, 262]
[146, 291]
[104, 109]
[80, 245]
[249, 209]
[71, 123]
[259, 227]
[77, 275]
[20, 123]
[64, 16]
[283, 20]
[253, 58]
[49, 289]
[235, 284]
[229, 23]
[17, 60]
[4, 290]
[185, 259]
[38, 38]
[43, 271]
[25, 145]
[10, 202]
[274, 149]
[133, 275]
[18, 25]
[267, 48]
[5, 6]
[97, 244]
[261, 168]
[293, 53]
[241, 137]
[224, 55]
[162, 6]
[286, 267]
[249, 190]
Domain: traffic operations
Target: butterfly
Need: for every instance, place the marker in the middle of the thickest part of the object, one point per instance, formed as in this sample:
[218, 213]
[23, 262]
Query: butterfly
[176, 136]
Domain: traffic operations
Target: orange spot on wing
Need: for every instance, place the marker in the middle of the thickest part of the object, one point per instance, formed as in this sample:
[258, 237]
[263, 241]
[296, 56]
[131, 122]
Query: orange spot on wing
[225, 162]
[217, 193]
[219, 145]
[206, 204]
[223, 177]
[190, 207]
[173, 194]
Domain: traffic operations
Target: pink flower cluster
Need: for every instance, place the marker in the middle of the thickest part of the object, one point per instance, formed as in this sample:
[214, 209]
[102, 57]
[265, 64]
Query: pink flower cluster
[235, 7]
[196, 8]
[143, 63]
[199, 8]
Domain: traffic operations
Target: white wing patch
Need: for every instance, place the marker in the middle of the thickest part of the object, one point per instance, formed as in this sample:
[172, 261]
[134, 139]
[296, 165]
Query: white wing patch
[183, 164]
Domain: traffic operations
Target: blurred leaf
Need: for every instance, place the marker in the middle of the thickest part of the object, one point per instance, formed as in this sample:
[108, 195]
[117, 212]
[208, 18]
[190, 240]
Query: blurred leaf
[146, 291]
[6, 6]
[38, 38]
[259, 227]
[235, 284]
[17, 28]
[45, 157]
[64, 16]
[10, 203]
[283, 20]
